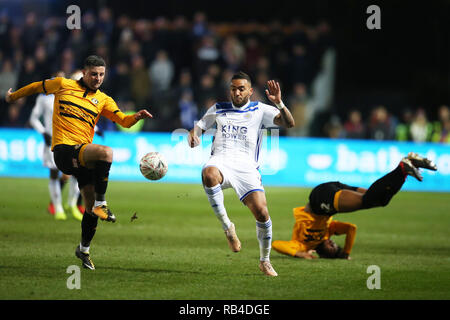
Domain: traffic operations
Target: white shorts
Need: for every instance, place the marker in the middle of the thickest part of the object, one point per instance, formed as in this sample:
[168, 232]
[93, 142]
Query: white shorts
[47, 158]
[243, 179]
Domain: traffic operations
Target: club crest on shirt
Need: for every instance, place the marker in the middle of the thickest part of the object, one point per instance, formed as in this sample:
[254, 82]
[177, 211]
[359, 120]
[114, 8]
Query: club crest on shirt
[95, 101]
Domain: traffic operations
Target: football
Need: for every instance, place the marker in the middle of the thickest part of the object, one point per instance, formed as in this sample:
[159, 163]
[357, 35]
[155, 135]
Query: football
[153, 166]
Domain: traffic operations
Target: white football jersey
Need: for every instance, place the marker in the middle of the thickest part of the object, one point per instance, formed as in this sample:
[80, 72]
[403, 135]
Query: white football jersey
[43, 108]
[238, 135]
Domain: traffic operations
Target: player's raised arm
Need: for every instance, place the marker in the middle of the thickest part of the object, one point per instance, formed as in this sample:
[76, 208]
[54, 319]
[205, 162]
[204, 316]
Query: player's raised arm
[127, 121]
[45, 86]
[273, 93]
[113, 113]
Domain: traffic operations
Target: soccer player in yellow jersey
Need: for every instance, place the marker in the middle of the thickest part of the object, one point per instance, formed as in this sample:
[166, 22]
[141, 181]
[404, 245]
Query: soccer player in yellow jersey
[314, 224]
[77, 108]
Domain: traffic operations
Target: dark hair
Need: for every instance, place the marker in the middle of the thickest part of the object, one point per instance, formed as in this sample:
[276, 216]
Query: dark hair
[94, 61]
[328, 249]
[241, 75]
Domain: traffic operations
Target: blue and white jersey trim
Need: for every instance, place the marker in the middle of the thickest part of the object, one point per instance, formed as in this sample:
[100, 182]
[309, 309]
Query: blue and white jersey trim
[222, 107]
[248, 192]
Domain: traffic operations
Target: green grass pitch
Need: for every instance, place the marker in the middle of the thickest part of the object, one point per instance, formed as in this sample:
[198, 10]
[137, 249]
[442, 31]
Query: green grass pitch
[176, 248]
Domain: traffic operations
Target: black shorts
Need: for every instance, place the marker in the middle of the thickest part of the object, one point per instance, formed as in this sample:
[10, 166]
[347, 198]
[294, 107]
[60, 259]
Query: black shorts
[67, 159]
[322, 197]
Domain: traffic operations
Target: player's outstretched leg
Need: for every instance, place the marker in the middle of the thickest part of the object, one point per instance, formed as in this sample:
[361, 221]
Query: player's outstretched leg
[381, 191]
[211, 178]
[256, 202]
[88, 227]
[264, 235]
[99, 158]
[101, 174]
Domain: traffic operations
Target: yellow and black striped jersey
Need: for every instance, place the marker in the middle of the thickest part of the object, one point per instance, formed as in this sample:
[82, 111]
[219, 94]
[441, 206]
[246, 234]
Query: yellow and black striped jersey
[311, 229]
[76, 109]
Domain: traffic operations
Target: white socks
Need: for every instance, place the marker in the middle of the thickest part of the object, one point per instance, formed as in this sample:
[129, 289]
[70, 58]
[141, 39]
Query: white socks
[84, 249]
[215, 197]
[263, 229]
[264, 235]
[55, 194]
[99, 203]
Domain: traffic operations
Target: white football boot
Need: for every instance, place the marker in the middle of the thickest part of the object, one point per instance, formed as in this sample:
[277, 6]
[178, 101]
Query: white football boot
[233, 240]
[267, 269]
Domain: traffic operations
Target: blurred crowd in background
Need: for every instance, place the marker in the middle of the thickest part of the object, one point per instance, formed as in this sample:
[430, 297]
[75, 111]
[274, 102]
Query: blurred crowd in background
[179, 67]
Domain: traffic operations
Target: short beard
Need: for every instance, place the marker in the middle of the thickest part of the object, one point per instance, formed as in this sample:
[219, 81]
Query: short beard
[94, 88]
[242, 103]
[88, 86]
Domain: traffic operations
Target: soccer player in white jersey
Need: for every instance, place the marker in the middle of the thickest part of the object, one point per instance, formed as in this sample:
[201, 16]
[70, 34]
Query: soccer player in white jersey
[234, 160]
[43, 109]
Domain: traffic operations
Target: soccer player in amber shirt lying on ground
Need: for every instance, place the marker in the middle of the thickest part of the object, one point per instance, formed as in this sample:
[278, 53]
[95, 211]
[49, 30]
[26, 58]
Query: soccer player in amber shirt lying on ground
[314, 224]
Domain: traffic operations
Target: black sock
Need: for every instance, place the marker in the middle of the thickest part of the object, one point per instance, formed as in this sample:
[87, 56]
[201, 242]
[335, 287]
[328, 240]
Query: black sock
[101, 173]
[381, 191]
[88, 228]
